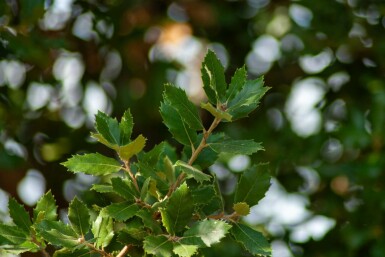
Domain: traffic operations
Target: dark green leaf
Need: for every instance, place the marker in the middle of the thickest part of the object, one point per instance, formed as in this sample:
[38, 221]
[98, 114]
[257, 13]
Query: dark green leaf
[147, 217]
[177, 127]
[134, 230]
[247, 99]
[92, 164]
[103, 230]
[216, 76]
[252, 240]
[178, 99]
[72, 253]
[79, 217]
[131, 149]
[57, 233]
[108, 127]
[159, 246]
[211, 95]
[209, 231]
[102, 188]
[19, 216]
[124, 188]
[126, 125]
[121, 211]
[253, 184]
[11, 235]
[237, 83]
[236, 146]
[192, 172]
[45, 208]
[179, 210]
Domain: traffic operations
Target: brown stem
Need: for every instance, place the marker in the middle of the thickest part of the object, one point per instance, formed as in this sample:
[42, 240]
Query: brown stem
[45, 253]
[124, 251]
[233, 217]
[195, 154]
[99, 251]
[127, 168]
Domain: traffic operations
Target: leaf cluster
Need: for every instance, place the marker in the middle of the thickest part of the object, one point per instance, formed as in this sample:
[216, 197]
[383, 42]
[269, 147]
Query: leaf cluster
[160, 205]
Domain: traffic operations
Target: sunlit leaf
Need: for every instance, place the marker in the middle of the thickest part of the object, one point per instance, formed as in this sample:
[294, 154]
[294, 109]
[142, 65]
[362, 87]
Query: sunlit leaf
[209, 231]
[159, 246]
[46, 207]
[133, 148]
[103, 230]
[184, 250]
[192, 172]
[92, 164]
[216, 74]
[57, 233]
[11, 235]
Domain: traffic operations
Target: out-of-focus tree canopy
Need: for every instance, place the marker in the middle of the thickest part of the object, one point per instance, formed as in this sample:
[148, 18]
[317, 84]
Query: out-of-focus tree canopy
[322, 123]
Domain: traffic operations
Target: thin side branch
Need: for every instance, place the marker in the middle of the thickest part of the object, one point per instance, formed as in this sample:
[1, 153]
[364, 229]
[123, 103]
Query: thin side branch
[128, 169]
[124, 251]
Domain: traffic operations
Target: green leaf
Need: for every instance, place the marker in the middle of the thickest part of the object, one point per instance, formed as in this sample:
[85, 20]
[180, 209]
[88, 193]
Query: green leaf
[92, 164]
[169, 170]
[179, 210]
[159, 246]
[242, 208]
[125, 126]
[253, 184]
[45, 208]
[216, 112]
[134, 230]
[184, 250]
[19, 216]
[209, 231]
[177, 127]
[26, 246]
[57, 233]
[216, 74]
[147, 217]
[247, 99]
[11, 235]
[211, 95]
[79, 217]
[178, 99]
[122, 211]
[102, 188]
[192, 172]
[133, 148]
[107, 127]
[72, 253]
[237, 83]
[103, 230]
[252, 240]
[236, 146]
[124, 188]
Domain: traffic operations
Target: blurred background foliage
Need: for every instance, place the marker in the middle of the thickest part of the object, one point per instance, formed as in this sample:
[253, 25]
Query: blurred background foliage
[322, 123]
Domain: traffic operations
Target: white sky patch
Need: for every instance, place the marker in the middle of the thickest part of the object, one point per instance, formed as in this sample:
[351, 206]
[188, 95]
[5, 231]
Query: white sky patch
[317, 63]
[301, 15]
[304, 117]
[267, 48]
[315, 228]
[38, 95]
[13, 73]
[95, 99]
[239, 162]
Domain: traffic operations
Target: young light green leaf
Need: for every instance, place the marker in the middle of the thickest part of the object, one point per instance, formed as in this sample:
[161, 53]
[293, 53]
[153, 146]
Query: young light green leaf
[247, 99]
[169, 170]
[104, 141]
[79, 217]
[19, 216]
[121, 211]
[192, 172]
[216, 74]
[237, 83]
[175, 124]
[102, 188]
[133, 148]
[211, 95]
[178, 211]
[253, 184]
[124, 188]
[178, 99]
[108, 127]
[159, 246]
[216, 112]
[103, 230]
[209, 231]
[184, 250]
[236, 146]
[57, 233]
[241, 208]
[252, 240]
[92, 164]
[45, 208]
[125, 126]
[65, 252]
[11, 235]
